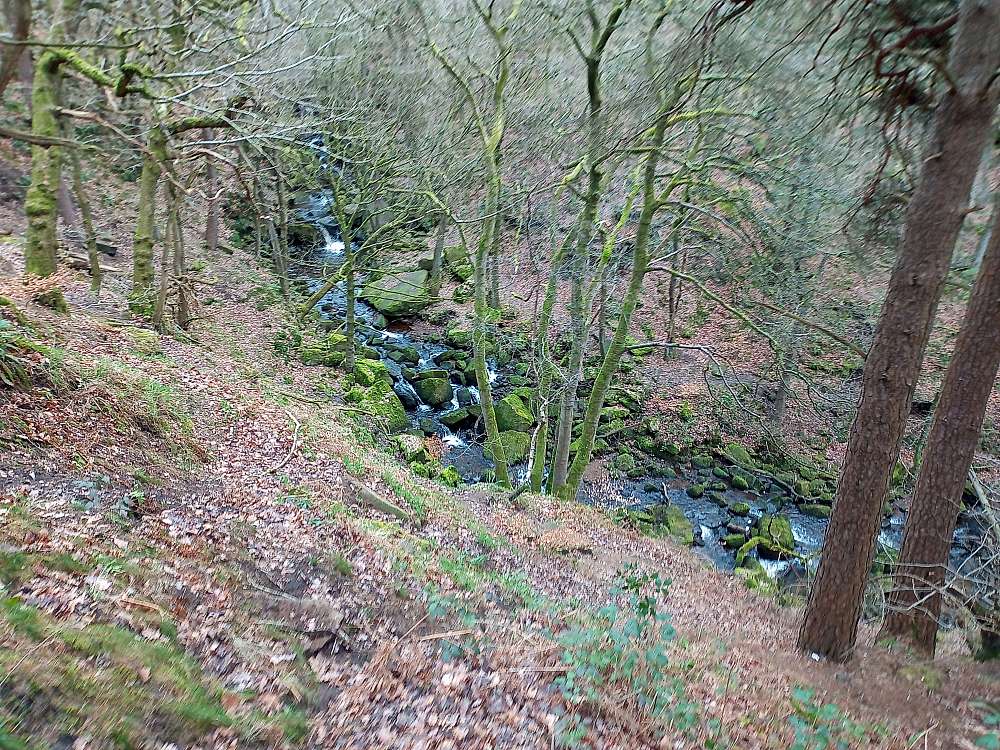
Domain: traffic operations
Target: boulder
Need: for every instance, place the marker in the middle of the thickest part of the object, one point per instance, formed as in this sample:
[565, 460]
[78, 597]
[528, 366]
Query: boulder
[464, 396]
[457, 260]
[673, 520]
[457, 417]
[406, 394]
[816, 510]
[429, 374]
[368, 372]
[329, 350]
[740, 509]
[513, 415]
[411, 447]
[398, 295]
[738, 454]
[434, 391]
[460, 338]
[733, 541]
[427, 426]
[776, 536]
[515, 446]
[696, 490]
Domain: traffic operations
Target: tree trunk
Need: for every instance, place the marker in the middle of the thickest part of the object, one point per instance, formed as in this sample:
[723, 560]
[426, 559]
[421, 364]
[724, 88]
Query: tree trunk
[18, 16]
[89, 235]
[933, 220]
[145, 225]
[609, 365]
[212, 210]
[915, 602]
[349, 316]
[40, 203]
[437, 263]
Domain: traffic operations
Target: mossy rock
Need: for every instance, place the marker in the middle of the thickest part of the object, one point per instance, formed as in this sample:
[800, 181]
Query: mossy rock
[463, 293]
[673, 520]
[515, 446]
[740, 509]
[733, 541]
[696, 490]
[818, 487]
[329, 351]
[457, 260]
[718, 486]
[380, 402]
[398, 295]
[368, 372]
[776, 536]
[460, 338]
[802, 488]
[424, 374]
[434, 391]
[513, 415]
[701, 461]
[613, 413]
[738, 454]
[646, 444]
[740, 483]
[144, 341]
[667, 449]
[457, 417]
[720, 473]
[412, 448]
[816, 510]
[450, 477]
[624, 462]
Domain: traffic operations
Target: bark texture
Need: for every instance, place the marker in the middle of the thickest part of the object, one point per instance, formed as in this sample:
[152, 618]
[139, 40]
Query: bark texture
[933, 220]
[915, 602]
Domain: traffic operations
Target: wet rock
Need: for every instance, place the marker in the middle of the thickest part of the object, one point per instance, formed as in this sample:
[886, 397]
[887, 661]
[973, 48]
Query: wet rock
[816, 510]
[740, 509]
[406, 394]
[464, 396]
[427, 426]
[460, 338]
[434, 391]
[702, 461]
[696, 490]
[733, 541]
[457, 417]
[776, 536]
[437, 374]
[740, 483]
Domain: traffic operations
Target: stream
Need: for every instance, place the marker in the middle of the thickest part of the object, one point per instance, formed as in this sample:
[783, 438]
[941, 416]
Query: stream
[407, 357]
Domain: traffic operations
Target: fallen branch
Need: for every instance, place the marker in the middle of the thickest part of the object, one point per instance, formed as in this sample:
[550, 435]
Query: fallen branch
[295, 444]
[378, 502]
[446, 634]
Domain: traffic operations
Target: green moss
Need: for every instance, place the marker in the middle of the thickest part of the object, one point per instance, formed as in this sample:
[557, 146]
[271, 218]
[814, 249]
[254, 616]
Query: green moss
[515, 446]
[740, 483]
[450, 477]
[739, 454]
[776, 535]
[702, 461]
[816, 510]
[740, 509]
[696, 490]
[513, 415]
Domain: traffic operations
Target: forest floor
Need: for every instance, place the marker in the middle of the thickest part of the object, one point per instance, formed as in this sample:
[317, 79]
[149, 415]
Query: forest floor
[187, 560]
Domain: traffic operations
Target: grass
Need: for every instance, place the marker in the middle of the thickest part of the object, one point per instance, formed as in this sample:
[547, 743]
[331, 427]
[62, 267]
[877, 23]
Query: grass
[133, 398]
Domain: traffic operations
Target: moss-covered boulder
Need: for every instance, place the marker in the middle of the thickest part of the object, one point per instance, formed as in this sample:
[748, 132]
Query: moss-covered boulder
[460, 338]
[816, 510]
[434, 391]
[398, 295]
[457, 260]
[733, 541]
[329, 350]
[513, 415]
[701, 461]
[450, 477]
[740, 509]
[457, 417]
[371, 371]
[696, 490]
[515, 446]
[672, 519]
[379, 403]
[776, 538]
[738, 454]
[740, 483]
[412, 448]
[624, 462]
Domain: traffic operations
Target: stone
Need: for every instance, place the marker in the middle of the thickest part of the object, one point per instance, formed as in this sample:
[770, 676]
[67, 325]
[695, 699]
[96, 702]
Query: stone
[398, 295]
[733, 541]
[411, 447]
[464, 396]
[720, 473]
[434, 391]
[513, 415]
[718, 498]
[406, 394]
[740, 509]
[370, 371]
[460, 338]
[624, 462]
[450, 477]
[776, 536]
[328, 351]
[677, 525]
[515, 446]
[701, 461]
[816, 510]
[457, 259]
[740, 483]
[696, 490]
[739, 454]
[456, 417]
[427, 426]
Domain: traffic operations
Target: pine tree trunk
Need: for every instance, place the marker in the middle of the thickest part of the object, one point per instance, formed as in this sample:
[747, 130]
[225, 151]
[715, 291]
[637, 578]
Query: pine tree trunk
[933, 220]
[915, 602]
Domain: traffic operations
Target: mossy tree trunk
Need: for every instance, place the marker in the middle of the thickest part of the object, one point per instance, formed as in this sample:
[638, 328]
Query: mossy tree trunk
[144, 239]
[437, 262]
[40, 202]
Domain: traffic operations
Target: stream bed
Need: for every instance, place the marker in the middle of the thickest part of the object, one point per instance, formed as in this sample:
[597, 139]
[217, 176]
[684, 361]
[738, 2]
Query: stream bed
[718, 512]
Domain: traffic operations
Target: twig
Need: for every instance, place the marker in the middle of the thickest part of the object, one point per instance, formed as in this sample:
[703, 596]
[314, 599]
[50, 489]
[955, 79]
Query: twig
[295, 444]
[446, 634]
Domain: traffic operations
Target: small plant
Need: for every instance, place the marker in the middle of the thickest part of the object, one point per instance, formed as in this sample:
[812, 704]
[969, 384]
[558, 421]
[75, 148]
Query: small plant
[825, 727]
[990, 717]
[620, 657]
